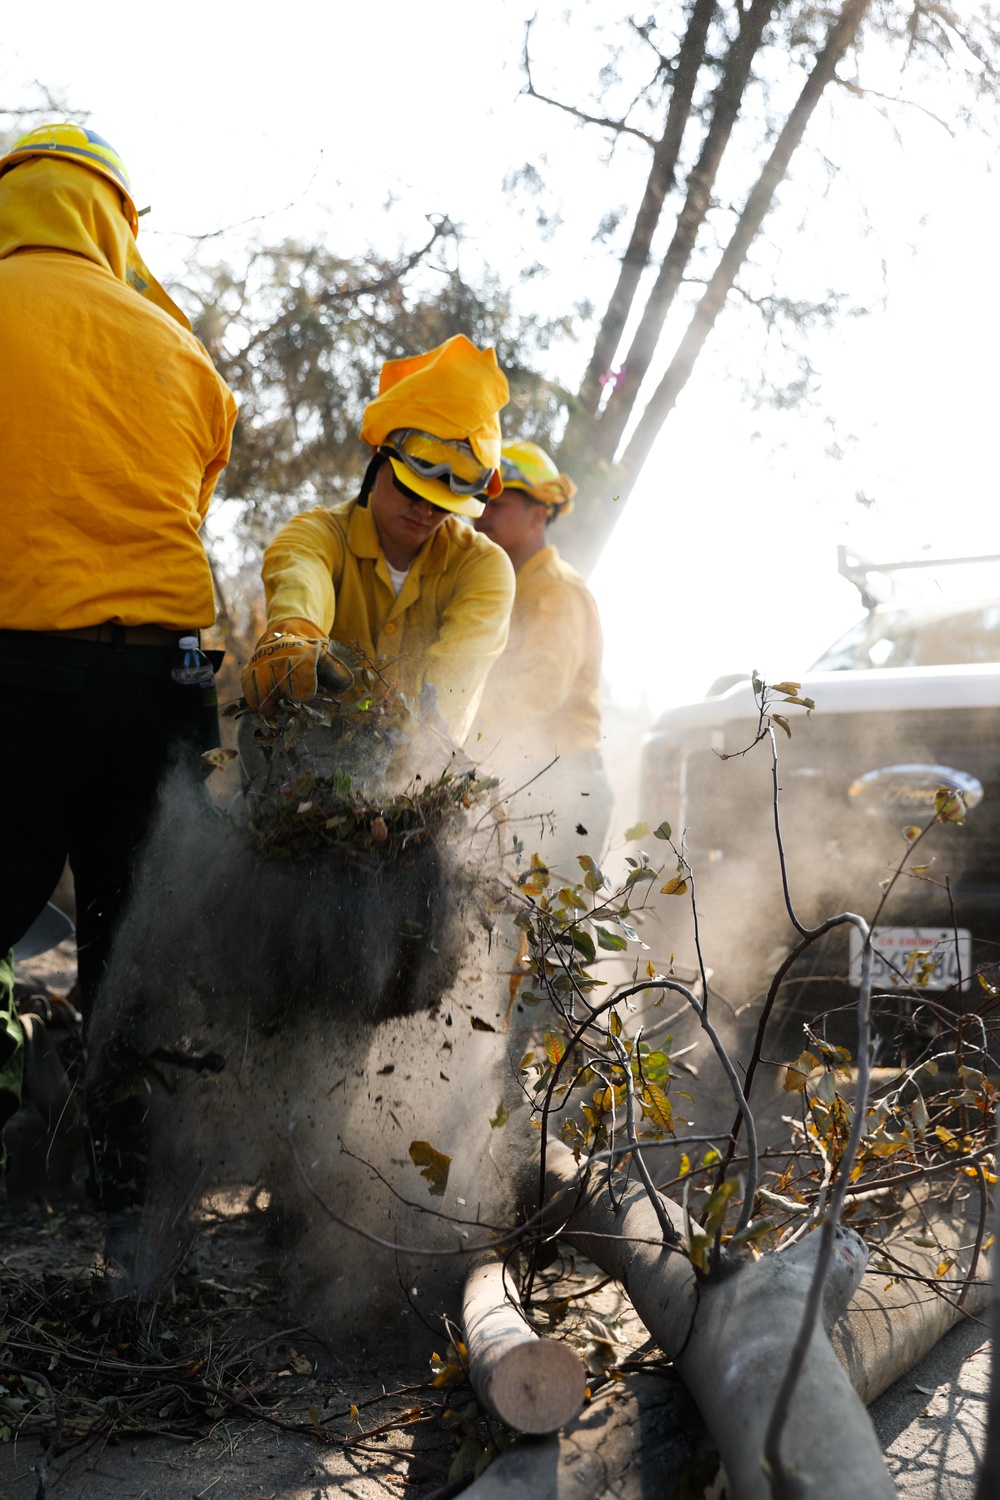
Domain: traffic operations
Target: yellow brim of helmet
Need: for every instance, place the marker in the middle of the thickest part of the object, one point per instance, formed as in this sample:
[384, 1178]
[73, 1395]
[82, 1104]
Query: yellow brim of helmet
[436, 492]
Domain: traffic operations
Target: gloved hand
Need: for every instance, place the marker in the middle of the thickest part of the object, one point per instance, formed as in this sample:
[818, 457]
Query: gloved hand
[292, 661]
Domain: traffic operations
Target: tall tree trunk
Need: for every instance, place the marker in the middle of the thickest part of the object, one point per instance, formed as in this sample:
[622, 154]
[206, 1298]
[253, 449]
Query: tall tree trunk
[658, 185]
[712, 301]
[726, 109]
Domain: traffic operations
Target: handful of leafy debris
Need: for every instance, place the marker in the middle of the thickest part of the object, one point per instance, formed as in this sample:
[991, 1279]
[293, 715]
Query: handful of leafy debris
[335, 776]
[316, 813]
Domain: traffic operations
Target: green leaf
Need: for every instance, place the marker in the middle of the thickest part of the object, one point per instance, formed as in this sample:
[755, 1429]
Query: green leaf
[613, 942]
[634, 876]
[570, 897]
[718, 1205]
[655, 1066]
[637, 831]
[754, 1231]
[583, 943]
[501, 1117]
[663, 832]
[434, 1166]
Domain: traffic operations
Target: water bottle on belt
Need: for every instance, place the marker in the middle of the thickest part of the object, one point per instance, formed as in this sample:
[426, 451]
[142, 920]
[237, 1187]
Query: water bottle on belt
[191, 667]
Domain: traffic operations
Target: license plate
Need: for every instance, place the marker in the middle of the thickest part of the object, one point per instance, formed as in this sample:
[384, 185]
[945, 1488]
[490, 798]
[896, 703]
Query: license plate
[924, 958]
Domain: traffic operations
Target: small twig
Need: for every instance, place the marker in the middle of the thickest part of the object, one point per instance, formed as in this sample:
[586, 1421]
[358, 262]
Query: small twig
[980, 1233]
[659, 1208]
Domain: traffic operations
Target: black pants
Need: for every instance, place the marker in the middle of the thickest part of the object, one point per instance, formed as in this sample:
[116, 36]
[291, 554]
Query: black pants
[89, 731]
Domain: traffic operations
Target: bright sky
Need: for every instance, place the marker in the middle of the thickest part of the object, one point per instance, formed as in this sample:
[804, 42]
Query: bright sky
[310, 120]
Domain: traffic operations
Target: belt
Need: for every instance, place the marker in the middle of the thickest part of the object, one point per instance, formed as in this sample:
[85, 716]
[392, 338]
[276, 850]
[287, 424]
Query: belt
[122, 635]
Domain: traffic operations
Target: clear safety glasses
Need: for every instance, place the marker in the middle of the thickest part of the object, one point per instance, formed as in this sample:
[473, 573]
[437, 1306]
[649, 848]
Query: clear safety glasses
[451, 462]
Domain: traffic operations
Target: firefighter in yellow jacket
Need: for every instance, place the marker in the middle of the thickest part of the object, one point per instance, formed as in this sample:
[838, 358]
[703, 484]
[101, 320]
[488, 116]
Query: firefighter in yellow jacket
[398, 571]
[114, 426]
[542, 699]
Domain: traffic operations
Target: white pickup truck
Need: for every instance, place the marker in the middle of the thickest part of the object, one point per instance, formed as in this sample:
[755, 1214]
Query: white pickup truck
[907, 701]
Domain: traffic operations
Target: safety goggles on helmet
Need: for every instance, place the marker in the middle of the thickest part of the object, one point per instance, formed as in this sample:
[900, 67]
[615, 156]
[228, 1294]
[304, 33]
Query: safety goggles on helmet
[512, 475]
[526, 467]
[449, 461]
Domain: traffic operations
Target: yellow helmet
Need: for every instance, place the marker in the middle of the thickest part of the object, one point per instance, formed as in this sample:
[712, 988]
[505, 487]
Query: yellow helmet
[85, 147]
[437, 415]
[525, 466]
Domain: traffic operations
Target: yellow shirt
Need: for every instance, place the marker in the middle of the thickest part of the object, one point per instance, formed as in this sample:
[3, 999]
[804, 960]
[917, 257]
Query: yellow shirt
[114, 424]
[542, 697]
[448, 625]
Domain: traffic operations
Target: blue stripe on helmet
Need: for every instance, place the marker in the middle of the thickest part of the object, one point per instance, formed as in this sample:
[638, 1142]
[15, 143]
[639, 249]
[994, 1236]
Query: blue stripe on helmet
[61, 149]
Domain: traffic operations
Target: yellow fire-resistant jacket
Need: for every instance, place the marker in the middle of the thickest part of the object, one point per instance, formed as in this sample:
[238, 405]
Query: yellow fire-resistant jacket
[542, 696]
[448, 625]
[114, 424]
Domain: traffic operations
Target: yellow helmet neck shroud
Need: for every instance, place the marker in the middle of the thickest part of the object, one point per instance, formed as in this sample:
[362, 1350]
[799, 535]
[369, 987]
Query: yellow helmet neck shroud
[48, 203]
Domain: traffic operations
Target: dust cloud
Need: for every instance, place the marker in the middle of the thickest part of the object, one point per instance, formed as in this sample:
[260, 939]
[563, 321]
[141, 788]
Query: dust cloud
[292, 1028]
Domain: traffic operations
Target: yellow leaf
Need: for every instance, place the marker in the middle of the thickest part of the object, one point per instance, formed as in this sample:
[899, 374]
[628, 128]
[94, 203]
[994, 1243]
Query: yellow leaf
[944, 1267]
[555, 1047]
[651, 970]
[685, 1166]
[217, 757]
[783, 722]
[615, 1023]
[353, 1414]
[434, 1166]
[657, 1107]
[949, 805]
[797, 1073]
[675, 887]
[911, 832]
[786, 687]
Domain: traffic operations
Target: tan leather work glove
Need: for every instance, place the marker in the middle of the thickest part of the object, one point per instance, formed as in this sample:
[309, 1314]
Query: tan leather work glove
[291, 662]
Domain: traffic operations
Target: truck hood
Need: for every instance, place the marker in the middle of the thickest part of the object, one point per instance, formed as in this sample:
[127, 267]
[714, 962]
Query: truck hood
[877, 690]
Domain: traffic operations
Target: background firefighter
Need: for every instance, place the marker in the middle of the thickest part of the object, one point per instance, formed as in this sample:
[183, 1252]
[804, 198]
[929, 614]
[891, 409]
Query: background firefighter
[397, 571]
[542, 697]
[114, 426]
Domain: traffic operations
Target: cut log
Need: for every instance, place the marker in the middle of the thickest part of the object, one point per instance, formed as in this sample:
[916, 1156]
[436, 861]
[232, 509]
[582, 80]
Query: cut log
[891, 1324]
[531, 1384]
[638, 1437]
[730, 1338]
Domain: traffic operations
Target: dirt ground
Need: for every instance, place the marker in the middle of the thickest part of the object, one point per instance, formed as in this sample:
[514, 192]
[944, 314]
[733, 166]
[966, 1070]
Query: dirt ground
[219, 1390]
